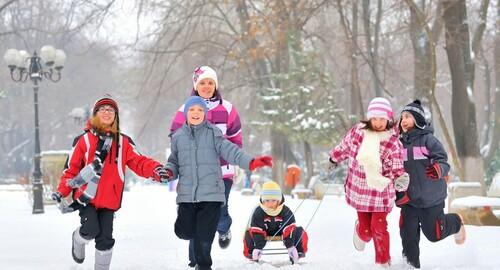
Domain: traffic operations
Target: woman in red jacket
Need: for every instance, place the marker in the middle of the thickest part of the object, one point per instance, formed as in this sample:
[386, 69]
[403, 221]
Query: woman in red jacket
[94, 174]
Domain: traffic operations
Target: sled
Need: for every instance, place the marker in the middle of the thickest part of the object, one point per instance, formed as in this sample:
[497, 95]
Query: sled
[247, 191]
[276, 238]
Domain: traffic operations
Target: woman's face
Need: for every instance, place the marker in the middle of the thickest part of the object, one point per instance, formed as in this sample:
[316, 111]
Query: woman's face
[195, 115]
[106, 115]
[407, 121]
[379, 123]
[206, 88]
[271, 204]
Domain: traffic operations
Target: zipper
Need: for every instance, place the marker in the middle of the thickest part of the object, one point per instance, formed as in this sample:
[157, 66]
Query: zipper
[195, 162]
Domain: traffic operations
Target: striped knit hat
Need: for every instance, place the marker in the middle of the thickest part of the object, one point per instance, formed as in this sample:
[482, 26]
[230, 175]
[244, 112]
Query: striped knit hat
[379, 107]
[271, 191]
[417, 111]
[105, 101]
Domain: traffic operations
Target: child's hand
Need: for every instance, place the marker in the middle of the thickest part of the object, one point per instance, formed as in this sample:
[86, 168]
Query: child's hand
[56, 196]
[401, 184]
[162, 175]
[332, 164]
[256, 254]
[433, 171]
[261, 161]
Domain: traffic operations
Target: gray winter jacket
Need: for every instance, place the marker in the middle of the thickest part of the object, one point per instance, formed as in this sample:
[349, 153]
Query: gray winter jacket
[194, 159]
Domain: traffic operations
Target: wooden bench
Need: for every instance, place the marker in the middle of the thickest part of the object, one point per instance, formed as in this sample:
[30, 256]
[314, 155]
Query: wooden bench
[478, 210]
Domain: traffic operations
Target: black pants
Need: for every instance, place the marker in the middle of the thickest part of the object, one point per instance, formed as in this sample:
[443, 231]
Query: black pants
[98, 225]
[198, 222]
[434, 224]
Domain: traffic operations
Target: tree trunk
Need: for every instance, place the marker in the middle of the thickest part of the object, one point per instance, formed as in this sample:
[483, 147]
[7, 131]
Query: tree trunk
[356, 102]
[370, 46]
[422, 76]
[278, 154]
[356, 99]
[463, 109]
[496, 123]
[309, 163]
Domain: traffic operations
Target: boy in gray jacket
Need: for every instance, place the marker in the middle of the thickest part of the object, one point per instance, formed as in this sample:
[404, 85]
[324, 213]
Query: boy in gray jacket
[194, 159]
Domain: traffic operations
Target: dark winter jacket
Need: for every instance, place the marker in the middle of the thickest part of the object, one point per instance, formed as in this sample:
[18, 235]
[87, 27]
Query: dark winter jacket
[263, 225]
[112, 181]
[421, 149]
[194, 159]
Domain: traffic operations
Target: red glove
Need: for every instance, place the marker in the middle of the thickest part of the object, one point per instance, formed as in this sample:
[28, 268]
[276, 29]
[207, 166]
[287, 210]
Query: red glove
[433, 171]
[261, 162]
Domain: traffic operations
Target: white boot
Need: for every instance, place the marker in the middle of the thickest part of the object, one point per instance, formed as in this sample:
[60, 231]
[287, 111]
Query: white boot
[78, 246]
[103, 259]
[359, 244]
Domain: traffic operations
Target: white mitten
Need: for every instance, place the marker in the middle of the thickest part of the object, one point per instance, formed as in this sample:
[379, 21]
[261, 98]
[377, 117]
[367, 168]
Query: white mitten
[401, 184]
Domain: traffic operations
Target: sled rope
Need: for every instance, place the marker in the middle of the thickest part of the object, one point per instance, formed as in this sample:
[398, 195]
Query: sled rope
[334, 173]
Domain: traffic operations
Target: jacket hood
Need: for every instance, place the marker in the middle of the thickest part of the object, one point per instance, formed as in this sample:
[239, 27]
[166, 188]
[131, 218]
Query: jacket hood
[416, 132]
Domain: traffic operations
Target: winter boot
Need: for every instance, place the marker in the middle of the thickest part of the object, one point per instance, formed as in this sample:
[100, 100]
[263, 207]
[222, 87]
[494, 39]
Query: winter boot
[385, 265]
[359, 244]
[460, 235]
[78, 246]
[225, 239]
[103, 259]
[201, 267]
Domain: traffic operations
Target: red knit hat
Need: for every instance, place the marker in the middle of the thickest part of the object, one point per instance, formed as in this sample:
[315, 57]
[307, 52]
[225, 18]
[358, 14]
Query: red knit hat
[105, 101]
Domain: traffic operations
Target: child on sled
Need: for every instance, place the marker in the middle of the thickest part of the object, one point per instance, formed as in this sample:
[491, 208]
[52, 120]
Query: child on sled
[272, 218]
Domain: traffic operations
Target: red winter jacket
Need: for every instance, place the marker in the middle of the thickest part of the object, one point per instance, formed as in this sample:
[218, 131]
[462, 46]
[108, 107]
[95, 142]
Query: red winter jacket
[110, 188]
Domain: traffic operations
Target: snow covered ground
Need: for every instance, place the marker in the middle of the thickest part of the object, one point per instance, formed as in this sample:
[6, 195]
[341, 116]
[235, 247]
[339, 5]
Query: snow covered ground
[145, 239]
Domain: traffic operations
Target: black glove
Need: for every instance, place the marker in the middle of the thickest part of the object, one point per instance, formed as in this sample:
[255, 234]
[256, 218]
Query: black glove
[332, 164]
[402, 198]
[56, 196]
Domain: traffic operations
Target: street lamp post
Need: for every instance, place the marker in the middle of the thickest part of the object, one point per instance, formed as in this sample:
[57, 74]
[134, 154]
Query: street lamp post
[23, 66]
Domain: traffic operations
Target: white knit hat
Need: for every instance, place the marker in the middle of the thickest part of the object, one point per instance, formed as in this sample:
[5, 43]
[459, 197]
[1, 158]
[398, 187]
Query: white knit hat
[204, 72]
[379, 107]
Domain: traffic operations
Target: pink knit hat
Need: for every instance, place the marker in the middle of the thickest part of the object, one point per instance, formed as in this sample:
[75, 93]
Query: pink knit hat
[379, 107]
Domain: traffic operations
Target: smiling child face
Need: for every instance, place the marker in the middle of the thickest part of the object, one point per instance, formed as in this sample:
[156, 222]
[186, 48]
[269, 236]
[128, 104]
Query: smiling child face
[195, 115]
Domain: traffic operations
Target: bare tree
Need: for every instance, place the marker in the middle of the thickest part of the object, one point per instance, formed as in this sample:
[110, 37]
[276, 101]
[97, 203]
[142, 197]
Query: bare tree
[463, 108]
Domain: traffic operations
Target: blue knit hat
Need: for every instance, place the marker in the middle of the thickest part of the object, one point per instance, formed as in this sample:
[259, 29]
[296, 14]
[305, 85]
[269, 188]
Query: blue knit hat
[194, 100]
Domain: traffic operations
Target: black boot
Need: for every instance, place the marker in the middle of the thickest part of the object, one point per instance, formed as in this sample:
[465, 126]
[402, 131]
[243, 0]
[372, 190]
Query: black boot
[201, 267]
[225, 239]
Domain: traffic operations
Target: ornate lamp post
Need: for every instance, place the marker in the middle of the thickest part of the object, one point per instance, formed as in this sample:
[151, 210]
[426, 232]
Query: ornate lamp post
[22, 66]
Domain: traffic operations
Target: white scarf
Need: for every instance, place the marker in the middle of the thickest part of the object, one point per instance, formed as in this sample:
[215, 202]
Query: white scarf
[369, 157]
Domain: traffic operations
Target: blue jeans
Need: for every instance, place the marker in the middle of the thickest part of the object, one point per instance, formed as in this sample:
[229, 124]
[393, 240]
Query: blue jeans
[225, 220]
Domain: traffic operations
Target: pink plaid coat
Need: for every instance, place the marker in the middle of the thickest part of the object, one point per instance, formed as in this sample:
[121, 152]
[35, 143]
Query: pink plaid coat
[358, 194]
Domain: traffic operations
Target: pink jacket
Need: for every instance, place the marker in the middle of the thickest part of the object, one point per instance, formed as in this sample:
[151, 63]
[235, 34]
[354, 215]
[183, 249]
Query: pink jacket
[358, 194]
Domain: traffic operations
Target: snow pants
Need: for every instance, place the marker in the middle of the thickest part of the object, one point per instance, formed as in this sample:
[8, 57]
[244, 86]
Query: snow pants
[294, 236]
[198, 222]
[97, 224]
[435, 224]
[373, 225]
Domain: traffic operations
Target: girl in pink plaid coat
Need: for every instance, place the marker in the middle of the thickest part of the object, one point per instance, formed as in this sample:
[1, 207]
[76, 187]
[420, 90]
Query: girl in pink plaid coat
[374, 155]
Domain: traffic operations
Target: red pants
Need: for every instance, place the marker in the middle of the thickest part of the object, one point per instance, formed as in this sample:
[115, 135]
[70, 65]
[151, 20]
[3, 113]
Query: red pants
[374, 225]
